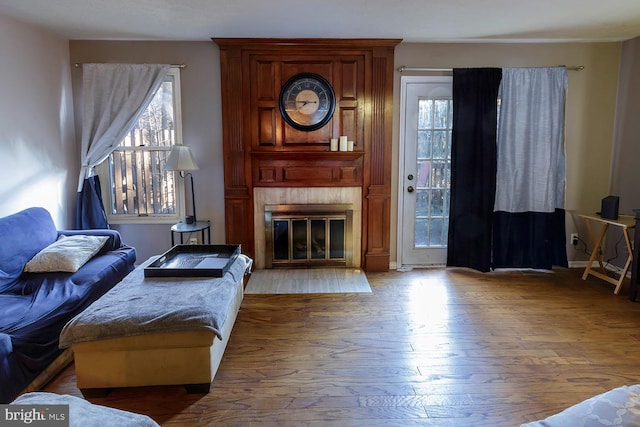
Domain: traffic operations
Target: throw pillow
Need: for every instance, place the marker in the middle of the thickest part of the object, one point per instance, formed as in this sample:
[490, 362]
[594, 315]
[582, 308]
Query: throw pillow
[67, 254]
[617, 407]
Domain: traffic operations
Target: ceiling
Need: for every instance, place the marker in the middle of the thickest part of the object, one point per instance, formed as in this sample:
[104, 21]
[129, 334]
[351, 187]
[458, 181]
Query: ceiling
[410, 20]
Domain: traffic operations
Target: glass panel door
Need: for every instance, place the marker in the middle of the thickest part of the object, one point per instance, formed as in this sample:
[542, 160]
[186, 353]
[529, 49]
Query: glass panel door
[426, 170]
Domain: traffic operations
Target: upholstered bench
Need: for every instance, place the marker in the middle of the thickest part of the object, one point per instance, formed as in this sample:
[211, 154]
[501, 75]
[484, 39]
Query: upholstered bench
[86, 414]
[156, 331]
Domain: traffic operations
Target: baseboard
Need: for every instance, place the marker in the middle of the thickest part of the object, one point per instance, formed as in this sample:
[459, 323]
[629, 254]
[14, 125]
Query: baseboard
[54, 368]
[609, 267]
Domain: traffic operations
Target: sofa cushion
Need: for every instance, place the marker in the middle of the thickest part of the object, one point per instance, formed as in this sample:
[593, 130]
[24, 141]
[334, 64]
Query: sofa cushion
[5, 345]
[67, 254]
[617, 407]
[23, 235]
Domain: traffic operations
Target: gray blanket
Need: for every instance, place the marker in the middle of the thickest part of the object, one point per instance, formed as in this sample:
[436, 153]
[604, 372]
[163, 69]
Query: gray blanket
[139, 305]
[86, 414]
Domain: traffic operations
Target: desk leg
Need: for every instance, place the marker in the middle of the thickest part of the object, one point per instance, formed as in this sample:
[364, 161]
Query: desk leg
[172, 244]
[596, 249]
[623, 273]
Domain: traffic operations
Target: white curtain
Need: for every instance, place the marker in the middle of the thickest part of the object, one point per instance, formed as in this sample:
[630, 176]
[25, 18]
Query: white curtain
[114, 95]
[531, 158]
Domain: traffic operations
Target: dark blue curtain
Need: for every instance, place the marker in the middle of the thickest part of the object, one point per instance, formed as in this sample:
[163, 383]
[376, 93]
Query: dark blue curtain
[473, 167]
[90, 212]
[529, 240]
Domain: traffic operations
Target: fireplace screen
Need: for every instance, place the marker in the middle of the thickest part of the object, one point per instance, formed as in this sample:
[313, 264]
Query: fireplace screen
[308, 235]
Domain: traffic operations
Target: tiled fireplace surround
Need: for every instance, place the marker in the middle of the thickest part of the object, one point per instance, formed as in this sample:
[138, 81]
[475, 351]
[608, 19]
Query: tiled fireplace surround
[300, 195]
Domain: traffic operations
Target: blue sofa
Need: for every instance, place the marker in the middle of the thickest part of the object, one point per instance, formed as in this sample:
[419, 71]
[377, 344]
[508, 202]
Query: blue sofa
[34, 307]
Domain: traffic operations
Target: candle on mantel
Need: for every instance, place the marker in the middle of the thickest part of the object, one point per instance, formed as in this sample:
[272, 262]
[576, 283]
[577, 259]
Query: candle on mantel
[343, 143]
[349, 145]
[334, 144]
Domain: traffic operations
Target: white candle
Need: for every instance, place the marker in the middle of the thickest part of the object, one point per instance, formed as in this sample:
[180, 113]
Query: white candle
[343, 143]
[334, 144]
[349, 145]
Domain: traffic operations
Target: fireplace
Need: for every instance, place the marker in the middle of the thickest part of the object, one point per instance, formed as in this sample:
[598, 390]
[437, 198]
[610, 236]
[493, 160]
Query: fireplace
[308, 235]
[320, 200]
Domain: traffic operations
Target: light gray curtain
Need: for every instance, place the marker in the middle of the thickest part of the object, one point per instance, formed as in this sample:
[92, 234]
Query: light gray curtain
[531, 158]
[114, 95]
[529, 217]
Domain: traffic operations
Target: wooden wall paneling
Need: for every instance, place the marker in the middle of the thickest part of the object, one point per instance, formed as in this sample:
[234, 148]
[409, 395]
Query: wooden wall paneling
[350, 99]
[274, 154]
[263, 96]
[292, 138]
[238, 197]
[377, 206]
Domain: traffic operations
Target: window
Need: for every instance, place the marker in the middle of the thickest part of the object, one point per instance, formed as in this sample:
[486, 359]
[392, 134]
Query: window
[139, 189]
[434, 171]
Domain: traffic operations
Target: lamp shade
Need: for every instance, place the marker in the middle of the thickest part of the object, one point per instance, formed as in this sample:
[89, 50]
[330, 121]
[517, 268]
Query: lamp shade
[180, 159]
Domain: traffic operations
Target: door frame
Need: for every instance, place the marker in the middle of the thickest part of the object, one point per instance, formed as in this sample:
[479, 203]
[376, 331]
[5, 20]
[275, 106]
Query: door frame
[404, 82]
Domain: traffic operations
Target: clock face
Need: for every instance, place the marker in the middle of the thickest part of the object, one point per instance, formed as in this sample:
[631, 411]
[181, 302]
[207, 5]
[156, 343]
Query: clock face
[307, 101]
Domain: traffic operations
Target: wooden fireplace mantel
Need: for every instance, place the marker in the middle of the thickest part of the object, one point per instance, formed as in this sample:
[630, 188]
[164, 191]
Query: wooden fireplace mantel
[262, 150]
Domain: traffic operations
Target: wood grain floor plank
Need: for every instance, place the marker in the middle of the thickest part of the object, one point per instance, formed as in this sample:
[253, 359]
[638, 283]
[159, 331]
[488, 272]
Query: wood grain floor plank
[437, 347]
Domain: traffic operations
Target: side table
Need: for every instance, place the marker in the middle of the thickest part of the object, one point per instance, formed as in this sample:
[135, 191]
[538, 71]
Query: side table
[625, 222]
[182, 228]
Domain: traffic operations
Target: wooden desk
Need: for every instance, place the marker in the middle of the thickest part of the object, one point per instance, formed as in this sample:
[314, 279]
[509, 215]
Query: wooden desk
[626, 222]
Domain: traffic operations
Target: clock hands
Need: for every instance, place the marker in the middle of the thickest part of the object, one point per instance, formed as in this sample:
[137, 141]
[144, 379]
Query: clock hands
[304, 103]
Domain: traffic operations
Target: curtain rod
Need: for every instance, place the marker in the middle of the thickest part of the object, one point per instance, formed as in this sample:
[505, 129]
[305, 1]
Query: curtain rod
[404, 68]
[77, 64]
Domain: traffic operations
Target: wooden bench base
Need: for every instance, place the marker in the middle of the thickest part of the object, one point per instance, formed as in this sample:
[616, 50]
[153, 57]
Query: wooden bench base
[189, 358]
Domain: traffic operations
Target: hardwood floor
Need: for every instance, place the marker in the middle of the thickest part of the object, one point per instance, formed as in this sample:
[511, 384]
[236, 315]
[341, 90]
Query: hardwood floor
[429, 347]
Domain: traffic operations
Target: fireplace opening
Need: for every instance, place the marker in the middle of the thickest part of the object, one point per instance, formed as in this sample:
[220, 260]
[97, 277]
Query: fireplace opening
[308, 235]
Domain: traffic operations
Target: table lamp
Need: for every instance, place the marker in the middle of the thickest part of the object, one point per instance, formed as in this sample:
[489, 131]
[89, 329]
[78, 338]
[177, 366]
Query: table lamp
[180, 159]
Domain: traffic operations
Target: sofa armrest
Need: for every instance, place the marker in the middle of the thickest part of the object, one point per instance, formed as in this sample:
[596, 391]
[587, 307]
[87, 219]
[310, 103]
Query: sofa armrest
[114, 242]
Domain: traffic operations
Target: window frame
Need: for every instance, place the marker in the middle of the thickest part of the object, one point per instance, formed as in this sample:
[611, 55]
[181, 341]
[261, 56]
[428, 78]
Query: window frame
[179, 188]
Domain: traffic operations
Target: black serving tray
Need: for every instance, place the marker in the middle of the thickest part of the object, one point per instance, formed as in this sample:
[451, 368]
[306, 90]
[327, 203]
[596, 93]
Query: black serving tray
[194, 261]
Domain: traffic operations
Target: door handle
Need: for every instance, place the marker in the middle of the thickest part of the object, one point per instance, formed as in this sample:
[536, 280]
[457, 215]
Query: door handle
[410, 189]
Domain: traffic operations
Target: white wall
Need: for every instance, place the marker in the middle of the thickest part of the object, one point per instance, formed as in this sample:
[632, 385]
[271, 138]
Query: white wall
[201, 125]
[625, 173]
[591, 105]
[38, 154]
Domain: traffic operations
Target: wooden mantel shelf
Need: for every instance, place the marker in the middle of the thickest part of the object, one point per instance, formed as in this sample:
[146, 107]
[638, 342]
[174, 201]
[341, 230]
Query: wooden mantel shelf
[310, 155]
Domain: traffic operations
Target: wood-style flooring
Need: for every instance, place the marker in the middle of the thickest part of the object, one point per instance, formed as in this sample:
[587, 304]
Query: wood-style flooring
[435, 347]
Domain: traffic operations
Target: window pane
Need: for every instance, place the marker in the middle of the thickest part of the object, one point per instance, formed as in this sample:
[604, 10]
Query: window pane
[439, 175]
[424, 143]
[424, 171]
[440, 150]
[436, 237]
[433, 166]
[437, 202]
[441, 114]
[421, 236]
[139, 184]
[422, 203]
[425, 114]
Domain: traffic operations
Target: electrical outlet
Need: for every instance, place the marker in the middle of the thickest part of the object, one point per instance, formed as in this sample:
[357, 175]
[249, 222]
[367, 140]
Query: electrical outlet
[193, 241]
[574, 239]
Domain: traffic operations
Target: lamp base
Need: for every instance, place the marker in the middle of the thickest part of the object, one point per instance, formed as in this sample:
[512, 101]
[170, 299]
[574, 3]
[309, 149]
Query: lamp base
[189, 219]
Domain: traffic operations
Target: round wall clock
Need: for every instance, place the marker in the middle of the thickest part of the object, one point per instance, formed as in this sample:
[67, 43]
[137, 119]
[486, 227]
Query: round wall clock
[307, 101]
